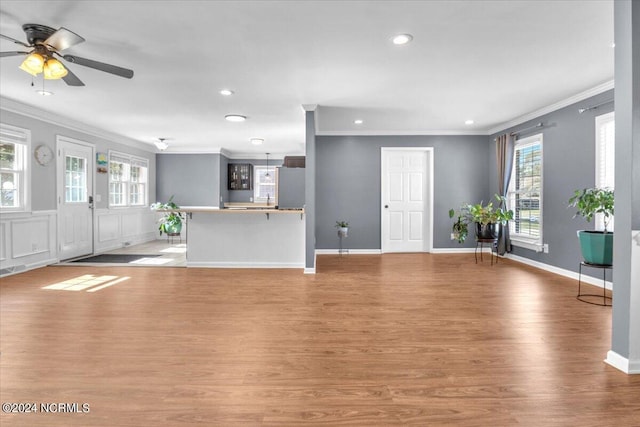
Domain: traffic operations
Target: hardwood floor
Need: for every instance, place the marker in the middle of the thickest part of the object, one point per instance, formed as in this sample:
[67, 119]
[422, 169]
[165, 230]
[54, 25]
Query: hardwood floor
[411, 339]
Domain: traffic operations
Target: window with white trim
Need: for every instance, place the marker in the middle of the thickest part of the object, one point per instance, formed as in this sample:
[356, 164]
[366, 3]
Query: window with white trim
[128, 180]
[525, 193]
[605, 159]
[265, 184]
[15, 146]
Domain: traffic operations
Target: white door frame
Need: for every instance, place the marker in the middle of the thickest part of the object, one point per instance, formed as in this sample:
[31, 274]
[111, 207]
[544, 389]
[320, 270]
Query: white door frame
[428, 227]
[60, 168]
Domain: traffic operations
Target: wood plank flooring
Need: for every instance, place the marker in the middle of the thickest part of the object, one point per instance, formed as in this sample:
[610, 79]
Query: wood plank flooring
[391, 340]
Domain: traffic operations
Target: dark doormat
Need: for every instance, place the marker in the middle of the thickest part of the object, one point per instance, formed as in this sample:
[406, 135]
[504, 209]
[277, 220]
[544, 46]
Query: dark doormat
[115, 258]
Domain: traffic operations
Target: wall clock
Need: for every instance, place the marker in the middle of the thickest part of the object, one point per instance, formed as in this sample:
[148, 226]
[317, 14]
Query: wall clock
[43, 154]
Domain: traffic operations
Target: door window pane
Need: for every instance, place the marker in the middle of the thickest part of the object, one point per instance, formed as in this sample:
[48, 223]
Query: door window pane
[75, 180]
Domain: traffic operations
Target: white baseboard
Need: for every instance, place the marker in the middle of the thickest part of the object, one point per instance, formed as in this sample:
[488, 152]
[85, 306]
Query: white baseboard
[560, 271]
[622, 363]
[309, 270]
[243, 265]
[348, 251]
[457, 250]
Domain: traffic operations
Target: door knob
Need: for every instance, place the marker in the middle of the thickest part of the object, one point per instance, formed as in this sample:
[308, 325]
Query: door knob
[386, 206]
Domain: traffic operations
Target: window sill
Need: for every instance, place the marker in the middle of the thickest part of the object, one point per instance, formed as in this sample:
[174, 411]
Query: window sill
[533, 245]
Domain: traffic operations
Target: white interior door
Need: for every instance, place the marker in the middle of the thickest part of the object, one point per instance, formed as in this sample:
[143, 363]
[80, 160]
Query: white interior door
[407, 199]
[75, 198]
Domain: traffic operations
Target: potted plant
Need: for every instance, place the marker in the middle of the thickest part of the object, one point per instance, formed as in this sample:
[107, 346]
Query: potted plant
[343, 228]
[596, 246]
[171, 222]
[486, 217]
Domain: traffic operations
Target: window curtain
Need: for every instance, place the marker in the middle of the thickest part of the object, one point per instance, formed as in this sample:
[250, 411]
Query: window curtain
[504, 155]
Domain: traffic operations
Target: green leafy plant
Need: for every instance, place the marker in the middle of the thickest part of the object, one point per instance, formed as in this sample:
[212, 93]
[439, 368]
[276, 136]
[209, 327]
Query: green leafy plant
[478, 213]
[591, 201]
[342, 224]
[170, 220]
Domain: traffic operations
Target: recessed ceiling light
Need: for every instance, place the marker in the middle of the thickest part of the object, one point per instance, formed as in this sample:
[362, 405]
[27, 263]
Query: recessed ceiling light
[402, 39]
[468, 122]
[235, 118]
[358, 121]
[44, 92]
[257, 141]
[226, 92]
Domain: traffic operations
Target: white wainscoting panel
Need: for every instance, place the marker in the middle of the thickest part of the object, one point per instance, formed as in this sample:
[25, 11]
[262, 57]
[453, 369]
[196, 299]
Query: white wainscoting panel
[3, 241]
[27, 240]
[115, 228]
[34, 236]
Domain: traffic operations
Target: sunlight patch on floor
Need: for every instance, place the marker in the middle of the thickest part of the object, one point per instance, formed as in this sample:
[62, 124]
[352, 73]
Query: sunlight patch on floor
[86, 282]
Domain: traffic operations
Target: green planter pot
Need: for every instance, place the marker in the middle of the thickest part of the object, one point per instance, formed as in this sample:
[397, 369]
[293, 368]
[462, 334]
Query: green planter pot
[172, 230]
[596, 247]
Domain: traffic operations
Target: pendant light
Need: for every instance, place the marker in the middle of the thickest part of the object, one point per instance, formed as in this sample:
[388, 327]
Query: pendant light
[267, 176]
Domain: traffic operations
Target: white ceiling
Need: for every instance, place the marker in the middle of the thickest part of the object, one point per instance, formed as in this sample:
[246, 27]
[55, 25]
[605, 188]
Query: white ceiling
[490, 61]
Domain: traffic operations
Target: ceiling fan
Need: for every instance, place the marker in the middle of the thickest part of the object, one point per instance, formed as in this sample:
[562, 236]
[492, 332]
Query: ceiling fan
[45, 43]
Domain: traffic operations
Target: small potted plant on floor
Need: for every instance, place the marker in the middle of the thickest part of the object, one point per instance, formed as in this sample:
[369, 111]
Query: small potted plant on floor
[171, 222]
[596, 246]
[343, 228]
[486, 218]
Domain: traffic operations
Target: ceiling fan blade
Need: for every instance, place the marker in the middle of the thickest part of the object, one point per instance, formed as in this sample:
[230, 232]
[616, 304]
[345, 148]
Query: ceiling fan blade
[71, 79]
[63, 39]
[118, 71]
[3, 54]
[14, 40]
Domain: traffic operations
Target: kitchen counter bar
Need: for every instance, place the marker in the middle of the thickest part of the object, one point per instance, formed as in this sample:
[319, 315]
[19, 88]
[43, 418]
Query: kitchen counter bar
[235, 238]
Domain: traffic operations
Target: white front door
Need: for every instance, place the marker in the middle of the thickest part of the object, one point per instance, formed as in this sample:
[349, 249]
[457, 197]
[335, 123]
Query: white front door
[407, 199]
[75, 198]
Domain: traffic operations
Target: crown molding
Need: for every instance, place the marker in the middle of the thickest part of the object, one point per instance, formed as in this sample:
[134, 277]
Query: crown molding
[553, 107]
[401, 132]
[187, 150]
[13, 106]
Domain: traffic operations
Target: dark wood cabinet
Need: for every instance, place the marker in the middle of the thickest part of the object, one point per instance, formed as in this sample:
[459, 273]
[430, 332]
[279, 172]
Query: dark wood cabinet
[294, 162]
[240, 176]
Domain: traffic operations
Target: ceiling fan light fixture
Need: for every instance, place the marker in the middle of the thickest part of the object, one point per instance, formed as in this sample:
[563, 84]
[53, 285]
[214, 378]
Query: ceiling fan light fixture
[161, 144]
[53, 69]
[33, 64]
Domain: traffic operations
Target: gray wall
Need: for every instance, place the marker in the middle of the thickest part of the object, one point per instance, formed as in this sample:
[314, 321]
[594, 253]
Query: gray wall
[193, 179]
[568, 164]
[310, 190]
[625, 337]
[224, 192]
[43, 178]
[348, 184]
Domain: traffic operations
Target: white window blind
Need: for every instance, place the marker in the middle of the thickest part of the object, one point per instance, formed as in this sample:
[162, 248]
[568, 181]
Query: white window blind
[525, 191]
[605, 159]
[128, 179]
[265, 185]
[15, 146]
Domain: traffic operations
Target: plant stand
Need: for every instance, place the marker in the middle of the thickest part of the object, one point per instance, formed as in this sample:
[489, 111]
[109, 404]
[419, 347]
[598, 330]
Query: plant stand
[493, 244]
[172, 236]
[342, 235]
[604, 268]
